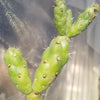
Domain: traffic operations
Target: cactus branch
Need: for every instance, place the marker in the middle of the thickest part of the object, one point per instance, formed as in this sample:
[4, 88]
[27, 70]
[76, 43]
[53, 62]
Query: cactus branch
[83, 20]
[60, 16]
[18, 72]
[69, 20]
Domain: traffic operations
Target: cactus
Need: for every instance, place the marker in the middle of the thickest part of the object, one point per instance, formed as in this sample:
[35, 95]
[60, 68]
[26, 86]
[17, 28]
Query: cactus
[53, 59]
[17, 68]
[83, 20]
[60, 16]
[56, 55]
[69, 20]
[33, 96]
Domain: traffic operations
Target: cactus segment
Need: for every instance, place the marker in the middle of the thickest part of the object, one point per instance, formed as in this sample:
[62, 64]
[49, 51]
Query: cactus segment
[53, 59]
[69, 20]
[60, 16]
[17, 68]
[33, 96]
[83, 20]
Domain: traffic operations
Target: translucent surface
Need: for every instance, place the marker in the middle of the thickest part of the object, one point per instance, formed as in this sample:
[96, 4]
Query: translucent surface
[28, 25]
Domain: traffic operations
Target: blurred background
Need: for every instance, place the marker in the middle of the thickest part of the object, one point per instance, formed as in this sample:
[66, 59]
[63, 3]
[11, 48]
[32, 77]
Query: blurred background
[28, 25]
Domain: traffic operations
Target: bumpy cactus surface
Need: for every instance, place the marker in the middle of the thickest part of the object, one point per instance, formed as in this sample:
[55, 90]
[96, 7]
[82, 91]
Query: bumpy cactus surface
[69, 20]
[53, 59]
[83, 20]
[60, 16]
[17, 68]
[56, 55]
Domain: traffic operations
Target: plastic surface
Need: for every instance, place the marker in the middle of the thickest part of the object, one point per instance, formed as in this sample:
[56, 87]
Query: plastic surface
[28, 25]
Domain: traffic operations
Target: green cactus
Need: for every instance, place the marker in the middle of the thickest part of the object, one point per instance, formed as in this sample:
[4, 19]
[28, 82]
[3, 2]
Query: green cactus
[17, 68]
[69, 20]
[60, 16]
[53, 59]
[83, 20]
[33, 96]
[56, 55]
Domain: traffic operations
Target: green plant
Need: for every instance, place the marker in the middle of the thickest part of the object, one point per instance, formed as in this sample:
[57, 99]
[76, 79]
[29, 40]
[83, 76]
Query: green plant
[54, 57]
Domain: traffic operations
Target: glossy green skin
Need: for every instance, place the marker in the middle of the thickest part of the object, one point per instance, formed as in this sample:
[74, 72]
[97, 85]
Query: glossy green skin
[33, 96]
[17, 68]
[53, 59]
[83, 20]
[69, 20]
[60, 16]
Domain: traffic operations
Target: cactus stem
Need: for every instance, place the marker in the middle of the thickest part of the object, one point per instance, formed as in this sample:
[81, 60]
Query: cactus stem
[18, 74]
[84, 19]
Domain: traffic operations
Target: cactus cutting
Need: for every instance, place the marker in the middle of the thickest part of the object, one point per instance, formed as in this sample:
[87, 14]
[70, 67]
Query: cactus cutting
[54, 57]
[69, 20]
[60, 16]
[84, 19]
[17, 68]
